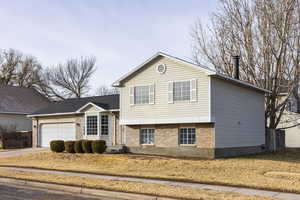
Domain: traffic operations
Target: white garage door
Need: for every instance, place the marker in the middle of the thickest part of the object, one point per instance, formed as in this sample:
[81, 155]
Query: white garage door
[61, 131]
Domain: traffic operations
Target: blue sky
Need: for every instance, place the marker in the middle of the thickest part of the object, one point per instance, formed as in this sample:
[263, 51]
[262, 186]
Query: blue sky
[121, 34]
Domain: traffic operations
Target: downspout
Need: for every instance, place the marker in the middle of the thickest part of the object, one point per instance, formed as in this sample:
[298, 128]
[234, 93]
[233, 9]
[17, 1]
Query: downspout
[37, 132]
[115, 128]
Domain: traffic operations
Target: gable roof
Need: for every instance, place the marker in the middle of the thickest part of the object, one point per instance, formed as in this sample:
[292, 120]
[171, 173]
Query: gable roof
[71, 106]
[20, 100]
[207, 70]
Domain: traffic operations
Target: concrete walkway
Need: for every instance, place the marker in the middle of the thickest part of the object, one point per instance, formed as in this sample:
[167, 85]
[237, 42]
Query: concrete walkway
[15, 152]
[248, 191]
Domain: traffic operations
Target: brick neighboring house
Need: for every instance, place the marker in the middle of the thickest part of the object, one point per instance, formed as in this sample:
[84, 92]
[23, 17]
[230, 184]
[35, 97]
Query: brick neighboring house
[167, 106]
[16, 103]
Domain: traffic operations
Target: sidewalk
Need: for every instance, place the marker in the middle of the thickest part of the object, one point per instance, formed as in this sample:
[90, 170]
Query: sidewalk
[247, 191]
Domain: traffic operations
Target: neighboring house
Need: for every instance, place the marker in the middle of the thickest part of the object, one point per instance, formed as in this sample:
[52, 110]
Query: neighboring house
[16, 103]
[78, 118]
[168, 106]
[290, 121]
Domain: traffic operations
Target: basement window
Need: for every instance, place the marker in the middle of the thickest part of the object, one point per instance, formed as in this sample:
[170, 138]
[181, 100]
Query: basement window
[147, 136]
[187, 136]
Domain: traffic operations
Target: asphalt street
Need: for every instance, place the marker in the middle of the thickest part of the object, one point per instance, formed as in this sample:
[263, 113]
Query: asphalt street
[13, 192]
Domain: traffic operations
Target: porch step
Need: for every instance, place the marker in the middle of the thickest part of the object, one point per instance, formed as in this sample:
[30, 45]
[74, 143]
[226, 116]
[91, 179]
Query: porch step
[117, 149]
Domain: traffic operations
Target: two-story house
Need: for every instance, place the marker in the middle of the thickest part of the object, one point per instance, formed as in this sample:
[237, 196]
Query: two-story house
[167, 106]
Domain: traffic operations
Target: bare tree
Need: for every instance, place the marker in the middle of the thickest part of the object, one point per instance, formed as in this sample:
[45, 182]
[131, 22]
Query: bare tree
[266, 35]
[70, 79]
[9, 62]
[104, 90]
[19, 70]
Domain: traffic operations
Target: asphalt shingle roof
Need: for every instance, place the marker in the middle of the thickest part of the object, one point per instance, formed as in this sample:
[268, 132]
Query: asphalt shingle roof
[15, 99]
[107, 102]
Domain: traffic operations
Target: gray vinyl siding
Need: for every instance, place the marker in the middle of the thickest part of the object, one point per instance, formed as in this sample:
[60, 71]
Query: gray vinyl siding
[18, 122]
[238, 113]
[161, 109]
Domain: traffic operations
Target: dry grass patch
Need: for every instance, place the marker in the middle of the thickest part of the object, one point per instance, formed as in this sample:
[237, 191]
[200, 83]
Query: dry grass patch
[284, 175]
[126, 186]
[248, 171]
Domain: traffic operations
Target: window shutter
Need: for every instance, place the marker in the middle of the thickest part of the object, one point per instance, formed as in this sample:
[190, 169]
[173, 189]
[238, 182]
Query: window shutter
[131, 95]
[152, 94]
[193, 88]
[170, 92]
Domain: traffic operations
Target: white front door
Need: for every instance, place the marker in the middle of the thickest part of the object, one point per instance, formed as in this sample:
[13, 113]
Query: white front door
[59, 131]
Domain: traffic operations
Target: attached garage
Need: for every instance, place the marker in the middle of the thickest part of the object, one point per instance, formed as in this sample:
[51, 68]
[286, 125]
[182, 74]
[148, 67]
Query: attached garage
[68, 120]
[56, 131]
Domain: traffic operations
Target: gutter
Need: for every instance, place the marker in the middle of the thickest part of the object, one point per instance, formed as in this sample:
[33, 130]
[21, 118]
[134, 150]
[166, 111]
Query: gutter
[52, 114]
[251, 86]
[65, 113]
[15, 113]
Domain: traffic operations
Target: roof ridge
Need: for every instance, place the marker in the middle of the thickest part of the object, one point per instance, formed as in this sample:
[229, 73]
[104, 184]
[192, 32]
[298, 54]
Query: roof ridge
[78, 98]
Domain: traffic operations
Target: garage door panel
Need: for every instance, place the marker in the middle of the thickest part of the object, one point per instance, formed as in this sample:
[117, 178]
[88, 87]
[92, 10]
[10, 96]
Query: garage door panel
[59, 131]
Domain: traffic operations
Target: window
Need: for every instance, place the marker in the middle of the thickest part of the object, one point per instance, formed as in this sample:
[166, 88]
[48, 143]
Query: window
[104, 124]
[141, 95]
[147, 136]
[92, 125]
[181, 91]
[187, 136]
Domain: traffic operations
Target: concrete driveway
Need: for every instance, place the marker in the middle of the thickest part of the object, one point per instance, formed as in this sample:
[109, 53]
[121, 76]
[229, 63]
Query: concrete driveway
[15, 152]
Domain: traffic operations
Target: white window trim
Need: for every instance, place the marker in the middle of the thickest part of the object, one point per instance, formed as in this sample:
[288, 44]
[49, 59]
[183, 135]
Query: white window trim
[108, 123]
[177, 81]
[92, 113]
[193, 90]
[147, 133]
[179, 135]
[170, 92]
[133, 94]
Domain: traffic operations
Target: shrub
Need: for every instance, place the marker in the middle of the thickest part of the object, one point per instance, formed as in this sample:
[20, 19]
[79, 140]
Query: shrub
[69, 146]
[57, 146]
[87, 146]
[78, 146]
[98, 146]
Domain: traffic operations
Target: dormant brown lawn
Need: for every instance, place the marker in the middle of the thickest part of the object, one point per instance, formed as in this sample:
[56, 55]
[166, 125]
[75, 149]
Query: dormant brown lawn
[262, 171]
[125, 186]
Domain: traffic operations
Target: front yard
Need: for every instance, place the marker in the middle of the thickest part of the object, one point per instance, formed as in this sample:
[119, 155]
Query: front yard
[280, 172]
[134, 187]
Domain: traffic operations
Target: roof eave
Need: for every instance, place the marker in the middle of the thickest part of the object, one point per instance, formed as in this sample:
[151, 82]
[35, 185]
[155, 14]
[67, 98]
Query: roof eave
[118, 83]
[242, 83]
[14, 113]
[87, 104]
[51, 114]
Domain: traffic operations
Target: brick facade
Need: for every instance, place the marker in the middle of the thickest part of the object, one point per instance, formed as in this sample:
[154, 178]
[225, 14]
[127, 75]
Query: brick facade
[167, 135]
[166, 140]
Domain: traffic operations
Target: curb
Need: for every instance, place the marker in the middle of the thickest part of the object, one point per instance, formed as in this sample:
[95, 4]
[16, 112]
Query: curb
[83, 190]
